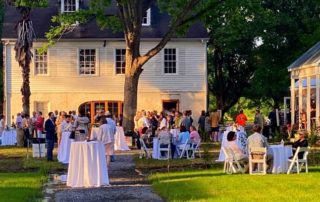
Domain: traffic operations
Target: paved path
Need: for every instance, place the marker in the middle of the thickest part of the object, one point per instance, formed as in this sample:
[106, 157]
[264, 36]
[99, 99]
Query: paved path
[126, 185]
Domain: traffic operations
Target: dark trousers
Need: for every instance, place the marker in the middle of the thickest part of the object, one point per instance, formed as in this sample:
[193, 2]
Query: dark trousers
[173, 150]
[26, 137]
[50, 146]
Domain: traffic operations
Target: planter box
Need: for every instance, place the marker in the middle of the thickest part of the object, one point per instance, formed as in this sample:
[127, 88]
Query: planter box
[36, 150]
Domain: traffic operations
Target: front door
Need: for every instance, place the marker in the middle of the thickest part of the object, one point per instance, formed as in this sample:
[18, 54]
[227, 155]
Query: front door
[170, 105]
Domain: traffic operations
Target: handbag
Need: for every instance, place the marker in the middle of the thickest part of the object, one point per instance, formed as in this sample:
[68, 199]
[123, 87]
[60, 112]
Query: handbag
[72, 135]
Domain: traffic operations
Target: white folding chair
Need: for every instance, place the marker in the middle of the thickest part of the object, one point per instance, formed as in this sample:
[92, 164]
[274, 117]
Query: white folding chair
[195, 148]
[183, 149]
[167, 152]
[231, 164]
[299, 163]
[261, 161]
[144, 151]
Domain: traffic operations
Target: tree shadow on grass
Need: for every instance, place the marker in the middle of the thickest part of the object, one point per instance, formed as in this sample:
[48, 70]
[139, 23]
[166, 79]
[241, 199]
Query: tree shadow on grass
[187, 176]
[313, 169]
[20, 194]
[184, 190]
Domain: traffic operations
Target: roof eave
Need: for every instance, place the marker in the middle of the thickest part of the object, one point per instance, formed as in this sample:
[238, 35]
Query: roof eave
[111, 39]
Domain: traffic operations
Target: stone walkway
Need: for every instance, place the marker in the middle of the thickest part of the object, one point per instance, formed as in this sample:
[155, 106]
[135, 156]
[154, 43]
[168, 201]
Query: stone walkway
[126, 185]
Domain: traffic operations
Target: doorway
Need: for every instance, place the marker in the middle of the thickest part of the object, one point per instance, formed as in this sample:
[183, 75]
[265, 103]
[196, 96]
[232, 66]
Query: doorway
[169, 105]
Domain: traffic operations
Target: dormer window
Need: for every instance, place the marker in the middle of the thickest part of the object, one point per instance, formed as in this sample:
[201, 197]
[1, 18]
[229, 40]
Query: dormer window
[146, 18]
[69, 6]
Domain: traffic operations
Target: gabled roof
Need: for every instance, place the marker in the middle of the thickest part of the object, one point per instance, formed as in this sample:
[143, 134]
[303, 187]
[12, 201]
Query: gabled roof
[42, 22]
[312, 56]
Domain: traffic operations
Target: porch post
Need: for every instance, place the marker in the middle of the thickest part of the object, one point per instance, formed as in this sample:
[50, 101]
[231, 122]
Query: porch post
[292, 100]
[317, 96]
[300, 100]
[308, 103]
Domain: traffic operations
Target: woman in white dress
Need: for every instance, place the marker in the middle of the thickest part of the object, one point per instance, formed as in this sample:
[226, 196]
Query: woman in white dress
[105, 136]
[237, 151]
[1, 124]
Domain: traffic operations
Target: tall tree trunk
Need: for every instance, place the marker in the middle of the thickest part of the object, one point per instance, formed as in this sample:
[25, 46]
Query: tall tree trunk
[130, 100]
[25, 88]
[23, 48]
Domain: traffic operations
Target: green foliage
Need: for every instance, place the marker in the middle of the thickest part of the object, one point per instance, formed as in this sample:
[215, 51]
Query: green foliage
[233, 27]
[249, 108]
[104, 21]
[31, 3]
[252, 42]
[313, 137]
[291, 27]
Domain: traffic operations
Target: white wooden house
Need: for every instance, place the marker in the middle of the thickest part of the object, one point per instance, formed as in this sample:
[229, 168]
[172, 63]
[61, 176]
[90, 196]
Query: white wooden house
[85, 68]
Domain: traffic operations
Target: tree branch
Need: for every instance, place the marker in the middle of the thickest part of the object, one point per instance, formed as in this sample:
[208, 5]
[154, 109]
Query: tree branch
[199, 14]
[143, 59]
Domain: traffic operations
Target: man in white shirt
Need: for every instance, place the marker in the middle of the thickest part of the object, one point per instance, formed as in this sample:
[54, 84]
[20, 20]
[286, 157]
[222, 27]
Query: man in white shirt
[258, 140]
[143, 121]
[113, 127]
[20, 133]
[33, 124]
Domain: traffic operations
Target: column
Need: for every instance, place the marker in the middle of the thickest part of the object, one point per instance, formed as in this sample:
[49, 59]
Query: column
[300, 99]
[308, 103]
[292, 100]
[317, 97]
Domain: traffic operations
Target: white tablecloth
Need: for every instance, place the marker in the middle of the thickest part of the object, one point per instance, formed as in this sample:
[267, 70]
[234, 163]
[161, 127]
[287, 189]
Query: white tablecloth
[281, 155]
[87, 165]
[64, 148]
[9, 137]
[120, 140]
[241, 142]
[155, 148]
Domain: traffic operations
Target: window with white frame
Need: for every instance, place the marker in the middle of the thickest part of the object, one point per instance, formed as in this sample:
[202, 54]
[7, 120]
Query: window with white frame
[87, 61]
[170, 61]
[120, 61]
[69, 6]
[40, 62]
[146, 18]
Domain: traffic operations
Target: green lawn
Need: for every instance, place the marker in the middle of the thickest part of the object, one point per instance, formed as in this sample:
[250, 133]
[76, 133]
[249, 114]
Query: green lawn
[21, 176]
[21, 186]
[213, 185]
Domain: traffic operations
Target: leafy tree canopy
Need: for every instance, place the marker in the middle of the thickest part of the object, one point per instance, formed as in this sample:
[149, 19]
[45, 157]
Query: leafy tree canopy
[291, 29]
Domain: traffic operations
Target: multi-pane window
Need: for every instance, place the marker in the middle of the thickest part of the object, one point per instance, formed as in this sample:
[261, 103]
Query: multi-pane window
[170, 61]
[69, 6]
[113, 108]
[87, 61]
[120, 61]
[146, 18]
[40, 62]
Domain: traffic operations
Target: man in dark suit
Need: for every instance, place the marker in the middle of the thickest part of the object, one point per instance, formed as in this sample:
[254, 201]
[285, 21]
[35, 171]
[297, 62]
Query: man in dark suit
[50, 129]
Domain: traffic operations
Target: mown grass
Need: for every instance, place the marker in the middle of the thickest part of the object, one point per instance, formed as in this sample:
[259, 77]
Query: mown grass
[22, 176]
[21, 186]
[189, 183]
[214, 185]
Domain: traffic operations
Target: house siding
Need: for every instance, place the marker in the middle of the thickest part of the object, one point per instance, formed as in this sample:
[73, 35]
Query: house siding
[64, 89]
